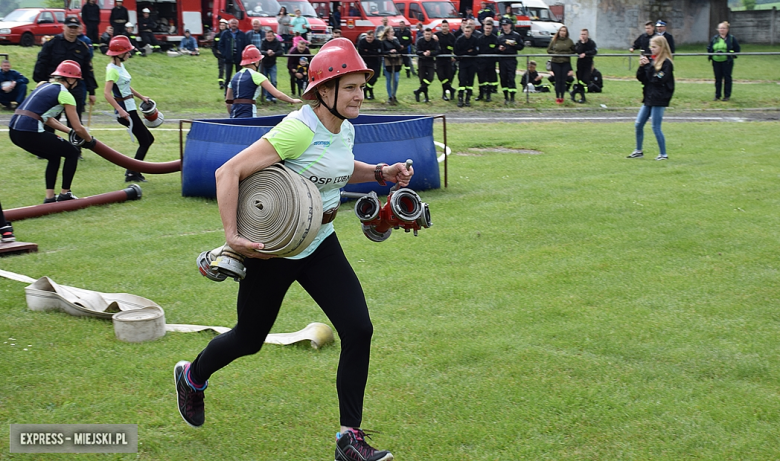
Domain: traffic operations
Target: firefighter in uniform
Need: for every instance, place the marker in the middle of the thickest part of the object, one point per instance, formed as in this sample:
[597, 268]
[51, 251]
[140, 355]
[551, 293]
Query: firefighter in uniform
[427, 49]
[466, 45]
[509, 43]
[370, 49]
[445, 69]
[486, 67]
[223, 25]
[146, 27]
[404, 35]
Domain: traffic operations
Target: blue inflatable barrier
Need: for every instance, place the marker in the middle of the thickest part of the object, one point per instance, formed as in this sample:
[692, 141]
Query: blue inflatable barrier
[378, 138]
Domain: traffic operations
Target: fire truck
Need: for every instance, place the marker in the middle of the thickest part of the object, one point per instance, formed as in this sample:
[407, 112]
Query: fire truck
[360, 16]
[523, 24]
[173, 17]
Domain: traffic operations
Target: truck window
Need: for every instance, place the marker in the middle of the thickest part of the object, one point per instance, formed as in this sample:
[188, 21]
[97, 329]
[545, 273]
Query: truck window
[352, 10]
[415, 12]
[379, 8]
[440, 10]
[46, 18]
[60, 15]
[401, 8]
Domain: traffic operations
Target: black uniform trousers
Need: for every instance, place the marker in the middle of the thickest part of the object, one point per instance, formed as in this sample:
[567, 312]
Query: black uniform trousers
[445, 71]
[486, 71]
[50, 147]
[376, 66]
[466, 72]
[507, 69]
[427, 70]
[723, 77]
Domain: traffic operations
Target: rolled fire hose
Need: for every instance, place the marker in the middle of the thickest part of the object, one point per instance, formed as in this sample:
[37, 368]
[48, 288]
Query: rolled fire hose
[279, 208]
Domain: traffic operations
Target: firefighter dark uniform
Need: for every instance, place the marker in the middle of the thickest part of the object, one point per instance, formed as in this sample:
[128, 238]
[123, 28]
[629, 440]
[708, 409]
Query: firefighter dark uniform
[426, 65]
[371, 52]
[146, 30]
[508, 44]
[467, 68]
[444, 66]
[119, 17]
[405, 39]
[585, 65]
[486, 67]
[59, 49]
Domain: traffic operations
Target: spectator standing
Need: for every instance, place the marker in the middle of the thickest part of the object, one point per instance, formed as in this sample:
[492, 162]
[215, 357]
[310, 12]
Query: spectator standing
[86, 40]
[146, 26]
[67, 46]
[381, 27]
[657, 76]
[484, 13]
[487, 44]
[121, 96]
[246, 86]
[586, 49]
[284, 29]
[404, 36]
[270, 48]
[231, 44]
[217, 35]
[466, 46]
[6, 230]
[292, 62]
[371, 50]
[188, 44]
[119, 17]
[509, 14]
[300, 24]
[469, 14]
[335, 17]
[445, 67]
[105, 39]
[642, 43]
[42, 108]
[560, 46]
[90, 14]
[509, 43]
[427, 50]
[660, 27]
[392, 49]
[725, 45]
[13, 85]
[256, 35]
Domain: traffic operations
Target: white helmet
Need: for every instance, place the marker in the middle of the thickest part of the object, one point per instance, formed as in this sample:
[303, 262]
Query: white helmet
[146, 10]
[129, 25]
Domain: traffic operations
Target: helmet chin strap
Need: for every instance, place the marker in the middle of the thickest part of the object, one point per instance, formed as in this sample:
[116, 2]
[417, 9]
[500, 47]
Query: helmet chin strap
[333, 109]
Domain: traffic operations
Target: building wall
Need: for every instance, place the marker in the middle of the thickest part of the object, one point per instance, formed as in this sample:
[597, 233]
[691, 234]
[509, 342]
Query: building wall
[757, 27]
[617, 23]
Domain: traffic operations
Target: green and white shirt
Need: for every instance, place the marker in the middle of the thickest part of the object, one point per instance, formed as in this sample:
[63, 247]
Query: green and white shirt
[121, 78]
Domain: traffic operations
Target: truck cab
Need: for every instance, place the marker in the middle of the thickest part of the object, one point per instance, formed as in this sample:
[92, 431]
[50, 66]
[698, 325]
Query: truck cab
[360, 16]
[430, 13]
[544, 24]
[522, 25]
[245, 11]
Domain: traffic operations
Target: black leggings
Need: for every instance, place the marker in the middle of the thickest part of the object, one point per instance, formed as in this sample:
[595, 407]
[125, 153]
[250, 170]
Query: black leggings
[51, 147]
[329, 279]
[561, 71]
[141, 133]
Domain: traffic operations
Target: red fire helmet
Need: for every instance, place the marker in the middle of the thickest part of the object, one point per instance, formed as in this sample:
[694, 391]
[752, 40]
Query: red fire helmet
[119, 45]
[250, 55]
[68, 69]
[335, 59]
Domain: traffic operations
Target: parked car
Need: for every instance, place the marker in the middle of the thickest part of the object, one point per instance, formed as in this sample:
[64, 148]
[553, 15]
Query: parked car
[28, 26]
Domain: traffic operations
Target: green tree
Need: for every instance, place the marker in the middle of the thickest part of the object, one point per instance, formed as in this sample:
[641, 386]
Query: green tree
[56, 3]
[750, 5]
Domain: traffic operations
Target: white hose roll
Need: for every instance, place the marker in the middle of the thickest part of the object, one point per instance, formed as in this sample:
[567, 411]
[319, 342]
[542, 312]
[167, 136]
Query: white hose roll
[280, 209]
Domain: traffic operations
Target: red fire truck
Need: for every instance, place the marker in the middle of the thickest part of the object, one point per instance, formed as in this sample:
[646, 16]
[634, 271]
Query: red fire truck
[360, 16]
[523, 24]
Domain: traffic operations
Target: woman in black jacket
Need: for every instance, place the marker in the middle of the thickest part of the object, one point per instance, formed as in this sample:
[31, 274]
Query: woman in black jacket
[657, 75]
[392, 49]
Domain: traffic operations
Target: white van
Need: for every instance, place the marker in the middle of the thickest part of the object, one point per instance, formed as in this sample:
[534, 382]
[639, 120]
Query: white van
[544, 24]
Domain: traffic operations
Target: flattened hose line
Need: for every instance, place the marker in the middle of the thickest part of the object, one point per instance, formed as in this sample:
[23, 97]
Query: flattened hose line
[280, 209]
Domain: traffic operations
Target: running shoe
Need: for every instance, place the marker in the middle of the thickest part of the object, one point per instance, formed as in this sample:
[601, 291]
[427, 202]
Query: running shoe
[66, 196]
[352, 446]
[662, 157]
[636, 154]
[190, 398]
[7, 233]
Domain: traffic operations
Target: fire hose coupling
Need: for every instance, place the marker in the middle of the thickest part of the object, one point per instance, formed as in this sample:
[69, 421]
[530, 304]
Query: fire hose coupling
[77, 141]
[221, 263]
[404, 209]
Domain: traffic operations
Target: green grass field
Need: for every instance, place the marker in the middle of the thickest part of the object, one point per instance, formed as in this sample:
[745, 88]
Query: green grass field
[568, 305]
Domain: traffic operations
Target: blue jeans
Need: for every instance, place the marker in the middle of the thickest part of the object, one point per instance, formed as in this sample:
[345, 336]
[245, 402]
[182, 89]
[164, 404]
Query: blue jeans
[392, 86]
[270, 73]
[657, 114]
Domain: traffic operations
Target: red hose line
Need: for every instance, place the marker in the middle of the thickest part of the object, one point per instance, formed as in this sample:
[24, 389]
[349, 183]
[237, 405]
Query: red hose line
[17, 214]
[135, 165]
